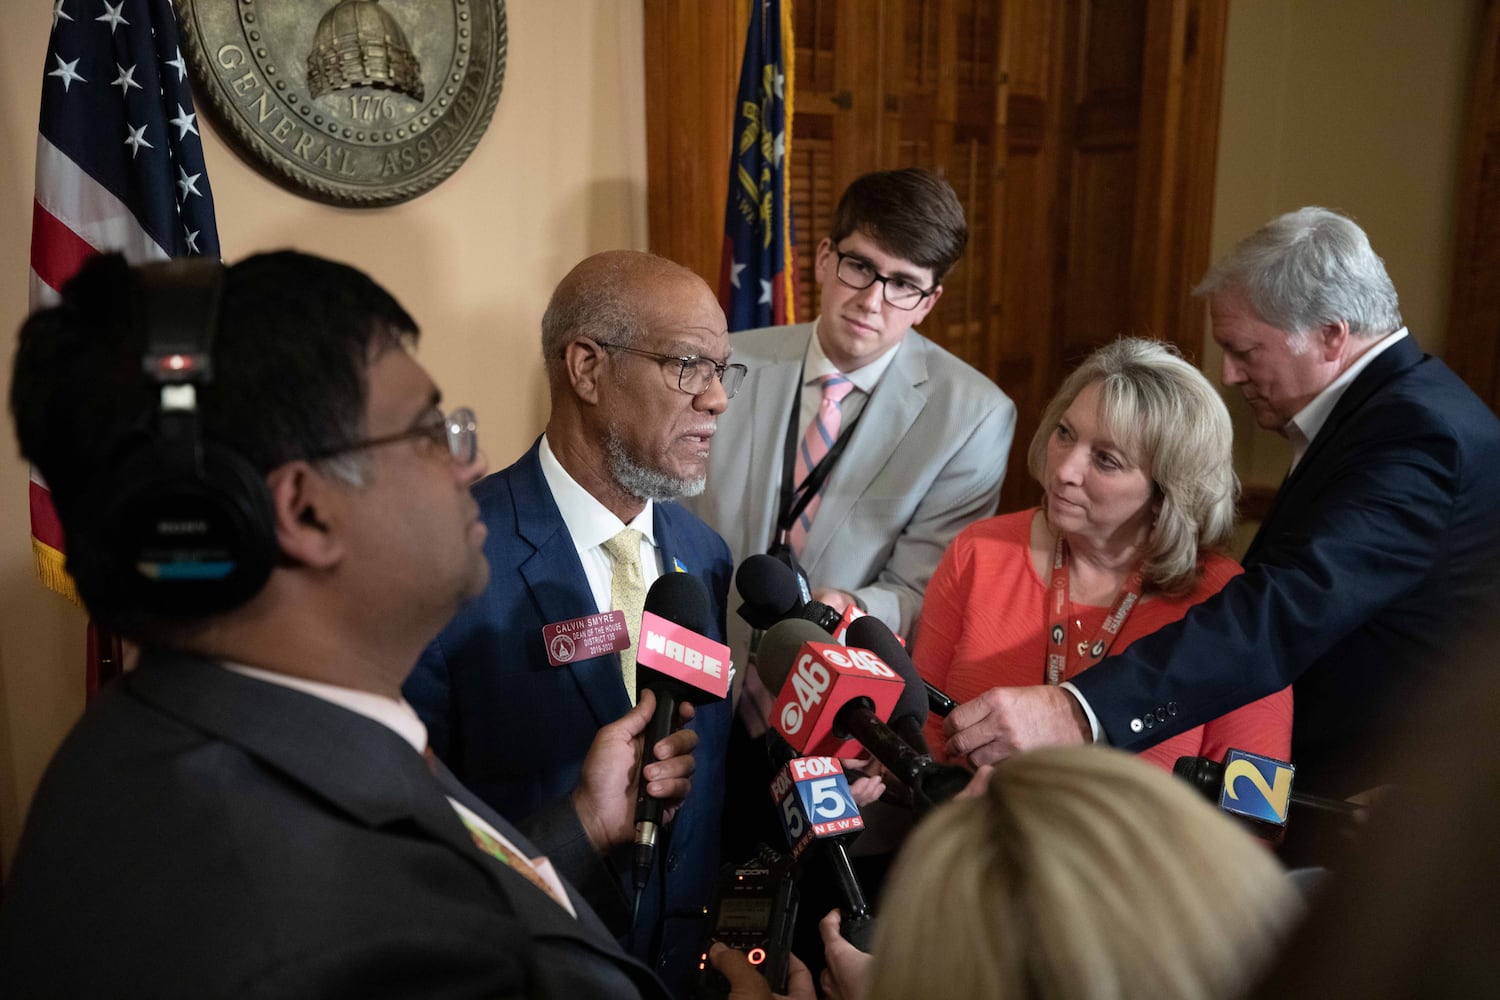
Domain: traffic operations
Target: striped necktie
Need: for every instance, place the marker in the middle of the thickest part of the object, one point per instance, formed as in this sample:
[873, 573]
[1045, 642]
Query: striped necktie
[822, 432]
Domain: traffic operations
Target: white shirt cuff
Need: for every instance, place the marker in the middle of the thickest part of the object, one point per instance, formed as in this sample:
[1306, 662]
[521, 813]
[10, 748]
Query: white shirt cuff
[1098, 734]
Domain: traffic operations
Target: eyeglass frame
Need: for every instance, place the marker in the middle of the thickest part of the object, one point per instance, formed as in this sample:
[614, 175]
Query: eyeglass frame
[462, 418]
[684, 362]
[885, 281]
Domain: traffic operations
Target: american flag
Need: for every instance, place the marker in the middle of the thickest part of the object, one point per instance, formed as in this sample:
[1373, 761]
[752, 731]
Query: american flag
[119, 166]
[757, 277]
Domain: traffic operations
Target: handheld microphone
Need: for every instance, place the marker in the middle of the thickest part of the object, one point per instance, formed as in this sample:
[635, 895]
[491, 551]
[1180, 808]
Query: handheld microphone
[910, 715]
[815, 805]
[940, 704]
[832, 697]
[678, 663]
[769, 589]
[1253, 788]
[770, 592]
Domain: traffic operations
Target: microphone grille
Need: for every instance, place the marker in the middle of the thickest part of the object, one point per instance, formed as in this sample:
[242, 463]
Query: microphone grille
[778, 649]
[681, 598]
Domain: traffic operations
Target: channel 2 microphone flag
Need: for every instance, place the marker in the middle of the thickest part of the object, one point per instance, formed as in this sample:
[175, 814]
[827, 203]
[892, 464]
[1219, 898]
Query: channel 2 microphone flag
[758, 274]
[119, 167]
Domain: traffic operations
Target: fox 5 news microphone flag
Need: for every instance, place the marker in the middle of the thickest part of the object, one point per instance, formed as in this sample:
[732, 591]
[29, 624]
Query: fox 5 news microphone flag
[757, 277]
[119, 167]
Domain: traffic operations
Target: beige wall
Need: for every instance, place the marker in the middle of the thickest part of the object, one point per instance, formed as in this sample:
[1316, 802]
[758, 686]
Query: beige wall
[1356, 105]
[560, 173]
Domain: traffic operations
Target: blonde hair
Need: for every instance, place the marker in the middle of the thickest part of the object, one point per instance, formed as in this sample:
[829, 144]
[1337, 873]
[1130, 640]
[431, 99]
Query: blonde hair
[1082, 872]
[1167, 416]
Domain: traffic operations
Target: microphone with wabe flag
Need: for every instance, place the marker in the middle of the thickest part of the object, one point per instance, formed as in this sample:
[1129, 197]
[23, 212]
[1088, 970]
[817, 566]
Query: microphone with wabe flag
[1254, 789]
[678, 663]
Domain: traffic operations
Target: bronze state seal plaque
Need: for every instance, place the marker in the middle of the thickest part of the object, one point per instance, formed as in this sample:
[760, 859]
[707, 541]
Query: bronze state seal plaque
[352, 102]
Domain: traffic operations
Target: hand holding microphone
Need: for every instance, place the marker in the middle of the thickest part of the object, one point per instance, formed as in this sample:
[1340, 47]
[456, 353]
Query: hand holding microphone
[605, 796]
[830, 697]
[677, 664]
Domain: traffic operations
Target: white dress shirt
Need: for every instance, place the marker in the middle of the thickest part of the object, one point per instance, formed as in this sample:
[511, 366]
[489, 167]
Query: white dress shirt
[592, 524]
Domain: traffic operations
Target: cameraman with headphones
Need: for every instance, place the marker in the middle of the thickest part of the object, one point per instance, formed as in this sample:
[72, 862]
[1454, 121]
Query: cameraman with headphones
[258, 484]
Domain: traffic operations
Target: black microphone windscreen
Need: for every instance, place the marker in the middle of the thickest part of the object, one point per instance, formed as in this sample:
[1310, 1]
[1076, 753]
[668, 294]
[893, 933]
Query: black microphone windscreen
[777, 652]
[869, 632]
[682, 599]
[1203, 773]
[769, 590]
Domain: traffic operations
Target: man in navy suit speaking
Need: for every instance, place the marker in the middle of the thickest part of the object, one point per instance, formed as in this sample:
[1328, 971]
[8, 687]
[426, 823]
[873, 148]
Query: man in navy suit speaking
[1379, 551]
[637, 357]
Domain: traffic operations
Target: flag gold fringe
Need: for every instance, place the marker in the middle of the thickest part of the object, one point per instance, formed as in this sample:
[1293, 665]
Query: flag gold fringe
[51, 567]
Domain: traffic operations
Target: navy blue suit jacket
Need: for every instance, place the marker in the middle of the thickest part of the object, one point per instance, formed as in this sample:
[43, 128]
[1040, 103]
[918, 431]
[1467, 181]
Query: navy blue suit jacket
[1381, 549]
[515, 729]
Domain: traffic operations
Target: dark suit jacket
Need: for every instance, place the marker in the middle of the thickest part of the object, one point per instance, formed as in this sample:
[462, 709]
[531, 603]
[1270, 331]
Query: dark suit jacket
[515, 729]
[1381, 549]
[201, 833]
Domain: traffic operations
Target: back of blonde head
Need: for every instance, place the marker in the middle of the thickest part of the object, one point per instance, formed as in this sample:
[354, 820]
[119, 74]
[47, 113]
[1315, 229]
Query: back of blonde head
[1081, 873]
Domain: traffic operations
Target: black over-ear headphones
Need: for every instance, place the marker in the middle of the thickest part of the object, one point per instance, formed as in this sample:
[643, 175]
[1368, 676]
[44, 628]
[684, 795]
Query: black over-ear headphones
[181, 527]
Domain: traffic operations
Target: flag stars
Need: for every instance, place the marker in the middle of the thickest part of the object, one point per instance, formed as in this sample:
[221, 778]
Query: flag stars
[734, 273]
[765, 293]
[125, 80]
[185, 122]
[177, 64]
[190, 236]
[136, 139]
[58, 14]
[778, 149]
[67, 72]
[188, 184]
[113, 16]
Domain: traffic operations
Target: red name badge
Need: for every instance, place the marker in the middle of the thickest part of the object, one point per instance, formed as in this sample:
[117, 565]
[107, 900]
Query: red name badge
[585, 638]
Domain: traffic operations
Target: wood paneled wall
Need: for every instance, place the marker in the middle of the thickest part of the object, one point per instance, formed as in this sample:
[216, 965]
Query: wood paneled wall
[1474, 312]
[1079, 134]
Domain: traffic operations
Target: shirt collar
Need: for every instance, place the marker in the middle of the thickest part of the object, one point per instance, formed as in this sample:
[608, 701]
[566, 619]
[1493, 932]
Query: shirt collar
[393, 713]
[815, 364]
[587, 520]
[1303, 428]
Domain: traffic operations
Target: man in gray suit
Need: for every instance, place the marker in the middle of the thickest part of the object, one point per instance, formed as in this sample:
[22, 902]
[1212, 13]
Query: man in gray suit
[913, 441]
[249, 811]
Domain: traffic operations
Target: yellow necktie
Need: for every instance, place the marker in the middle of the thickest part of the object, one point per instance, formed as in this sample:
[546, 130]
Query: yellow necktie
[627, 593]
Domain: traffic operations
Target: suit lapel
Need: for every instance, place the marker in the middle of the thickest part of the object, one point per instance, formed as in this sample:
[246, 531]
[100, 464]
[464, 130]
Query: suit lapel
[356, 765]
[888, 414]
[1396, 359]
[777, 388]
[545, 917]
[558, 585]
